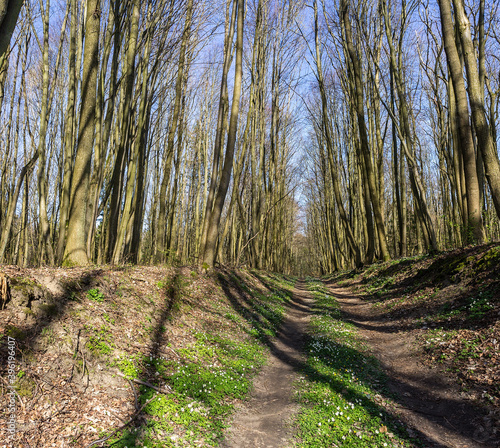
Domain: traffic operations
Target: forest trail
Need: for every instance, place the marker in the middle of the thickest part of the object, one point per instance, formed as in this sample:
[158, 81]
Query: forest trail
[426, 398]
[264, 421]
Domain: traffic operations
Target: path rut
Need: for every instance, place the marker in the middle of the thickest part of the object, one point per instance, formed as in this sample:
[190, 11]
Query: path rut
[428, 400]
[264, 421]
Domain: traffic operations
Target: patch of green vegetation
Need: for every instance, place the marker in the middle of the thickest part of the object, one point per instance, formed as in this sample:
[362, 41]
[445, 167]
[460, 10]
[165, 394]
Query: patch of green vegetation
[100, 341]
[447, 314]
[266, 311]
[470, 349]
[474, 307]
[25, 386]
[479, 305]
[437, 336]
[341, 387]
[213, 372]
[106, 317]
[233, 317]
[73, 296]
[446, 335]
[243, 286]
[14, 332]
[28, 311]
[380, 278]
[48, 334]
[210, 383]
[489, 259]
[206, 377]
[380, 285]
[437, 341]
[127, 365]
[147, 328]
[449, 267]
[22, 283]
[95, 295]
[67, 263]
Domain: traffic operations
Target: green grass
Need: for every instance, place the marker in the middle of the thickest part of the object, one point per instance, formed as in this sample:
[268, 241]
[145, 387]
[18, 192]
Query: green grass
[474, 307]
[341, 388]
[208, 377]
[214, 372]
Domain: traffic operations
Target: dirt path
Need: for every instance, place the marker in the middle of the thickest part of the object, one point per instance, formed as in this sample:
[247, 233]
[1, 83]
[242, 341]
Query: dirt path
[428, 400]
[264, 421]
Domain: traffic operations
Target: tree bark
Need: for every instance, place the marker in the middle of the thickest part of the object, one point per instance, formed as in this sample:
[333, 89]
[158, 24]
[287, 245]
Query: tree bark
[9, 13]
[476, 98]
[363, 136]
[466, 142]
[75, 252]
[169, 151]
[213, 225]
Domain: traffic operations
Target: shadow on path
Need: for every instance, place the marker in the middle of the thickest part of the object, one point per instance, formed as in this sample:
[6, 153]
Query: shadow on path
[253, 426]
[426, 398]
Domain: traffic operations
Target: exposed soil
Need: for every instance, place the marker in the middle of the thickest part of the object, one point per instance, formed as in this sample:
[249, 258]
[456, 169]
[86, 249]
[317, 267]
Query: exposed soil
[427, 398]
[264, 421]
[433, 323]
[450, 302]
[69, 390]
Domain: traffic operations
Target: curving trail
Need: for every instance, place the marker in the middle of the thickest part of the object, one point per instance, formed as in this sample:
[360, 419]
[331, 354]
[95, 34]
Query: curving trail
[264, 421]
[428, 400]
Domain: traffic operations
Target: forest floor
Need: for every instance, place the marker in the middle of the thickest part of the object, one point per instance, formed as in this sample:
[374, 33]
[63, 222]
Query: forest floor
[132, 356]
[434, 324]
[266, 420]
[425, 397]
[401, 354]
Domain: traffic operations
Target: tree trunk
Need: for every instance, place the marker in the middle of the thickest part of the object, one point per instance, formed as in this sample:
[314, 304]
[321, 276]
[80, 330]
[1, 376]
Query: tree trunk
[75, 252]
[363, 136]
[219, 133]
[169, 151]
[476, 98]
[466, 142]
[213, 225]
[9, 13]
[68, 136]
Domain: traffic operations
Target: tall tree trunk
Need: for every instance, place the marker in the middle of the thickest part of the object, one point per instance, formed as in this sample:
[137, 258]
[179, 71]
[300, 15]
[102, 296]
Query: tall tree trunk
[7, 225]
[405, 131]
[363, 136]
[169, 151]
[476, 97]
[221, 115]
[213, 225]
[127, 131]
[75, 252]
[9, 13]
[329, 146]
[44, 242]
[466, 142]
[68, 135]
